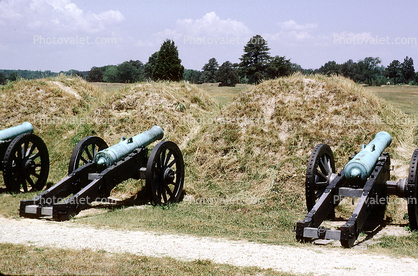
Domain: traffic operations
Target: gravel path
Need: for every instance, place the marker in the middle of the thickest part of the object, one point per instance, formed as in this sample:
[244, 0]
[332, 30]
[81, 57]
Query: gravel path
[318, 260]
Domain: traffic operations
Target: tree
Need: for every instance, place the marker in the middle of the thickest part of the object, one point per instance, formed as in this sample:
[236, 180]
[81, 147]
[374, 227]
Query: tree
[255, 59]
[209, 71]
[408, 71]
[13, 76]
[226, 75]
[367, 71]
[278, 67]
[127, 73]
[111, 74]
[394, 71]
[149, 66]
[168, 65]
[330, 68]
[347, 69]
[192, 76]
[95, 74]
[2, 78]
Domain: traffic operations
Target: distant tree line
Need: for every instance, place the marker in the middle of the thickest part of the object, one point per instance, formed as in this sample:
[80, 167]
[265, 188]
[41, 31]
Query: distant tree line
[369, 71]
[256, 64]
[13, 75]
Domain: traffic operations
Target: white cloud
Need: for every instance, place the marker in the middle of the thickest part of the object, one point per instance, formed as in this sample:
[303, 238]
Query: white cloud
[292, 25]
[291, 32]
[212, 24]
[56, 15]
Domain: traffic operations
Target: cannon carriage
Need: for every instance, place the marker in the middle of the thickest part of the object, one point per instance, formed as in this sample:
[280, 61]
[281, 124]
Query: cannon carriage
[24, 159]
[95, 169]
[367, 177]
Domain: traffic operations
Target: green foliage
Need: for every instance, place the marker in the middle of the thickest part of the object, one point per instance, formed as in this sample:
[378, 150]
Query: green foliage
[278, 67]
[408, 71]
[111, 74]
[149, 66]
[95, 74]
[192, 76]
[128, 73]
[168, 65]
[13, 76]
[2, 78]
[394, 71]
[209, 71]
[330, 68]
[255, 59]
[226, 75]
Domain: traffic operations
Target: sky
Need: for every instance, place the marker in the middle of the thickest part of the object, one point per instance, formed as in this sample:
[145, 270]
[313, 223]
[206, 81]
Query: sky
[60, 35]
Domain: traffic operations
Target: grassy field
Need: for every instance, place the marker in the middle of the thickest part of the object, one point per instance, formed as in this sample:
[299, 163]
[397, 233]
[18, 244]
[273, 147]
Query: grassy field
[224, 95]
[31, 260]
[239, 183]
[404, 97]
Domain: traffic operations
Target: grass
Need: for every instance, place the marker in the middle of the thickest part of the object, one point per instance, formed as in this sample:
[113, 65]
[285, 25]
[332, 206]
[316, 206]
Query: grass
[245, 148]
[404, 97]
[224, 95]
[234, 221]
[31, 260]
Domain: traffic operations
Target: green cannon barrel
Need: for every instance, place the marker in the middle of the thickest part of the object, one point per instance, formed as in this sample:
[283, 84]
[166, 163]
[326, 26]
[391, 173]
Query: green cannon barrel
[361, 166]
[111, 155]
[10, 133]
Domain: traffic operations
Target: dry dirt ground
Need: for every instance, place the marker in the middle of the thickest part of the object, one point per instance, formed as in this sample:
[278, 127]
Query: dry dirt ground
[316, 260]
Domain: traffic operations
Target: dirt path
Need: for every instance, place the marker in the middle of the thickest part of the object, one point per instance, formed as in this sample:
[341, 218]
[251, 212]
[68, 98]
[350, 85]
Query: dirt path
[317, 260]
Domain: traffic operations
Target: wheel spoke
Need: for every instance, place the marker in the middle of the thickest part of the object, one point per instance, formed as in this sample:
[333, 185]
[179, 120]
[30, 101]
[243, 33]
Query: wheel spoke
[324, 165]
[24, 185]
[319, 173]
[24, 149]
[169, 191]
[32, 148]
[36, 155]
[88, 153]
[170, 153]
[172, 163]
[30, 181]
[83, 159]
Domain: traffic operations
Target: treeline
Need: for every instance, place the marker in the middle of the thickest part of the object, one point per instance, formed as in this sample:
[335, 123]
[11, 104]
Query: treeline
[256, 64]
[371, 72]
[13, 75]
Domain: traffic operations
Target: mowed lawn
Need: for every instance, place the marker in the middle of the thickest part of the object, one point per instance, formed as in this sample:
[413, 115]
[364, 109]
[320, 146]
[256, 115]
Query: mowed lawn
[404, 97]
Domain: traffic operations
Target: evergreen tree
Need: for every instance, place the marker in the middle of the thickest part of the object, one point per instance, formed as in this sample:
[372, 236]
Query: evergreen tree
[408, 71]
[209, 71]
[149, 66]
[168, 66]
[394, 71]
[255, 59]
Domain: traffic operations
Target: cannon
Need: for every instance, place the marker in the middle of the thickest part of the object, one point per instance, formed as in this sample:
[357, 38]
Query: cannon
[25, 159]
[95, 169]
[366, 176]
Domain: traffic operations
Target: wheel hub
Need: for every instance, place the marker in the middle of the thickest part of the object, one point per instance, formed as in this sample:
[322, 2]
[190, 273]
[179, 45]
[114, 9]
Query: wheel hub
[29, 165]
[169, 175]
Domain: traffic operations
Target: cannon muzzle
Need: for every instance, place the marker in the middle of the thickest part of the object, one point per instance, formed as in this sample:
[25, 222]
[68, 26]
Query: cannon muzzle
[10, 133]
[111, 155]
[361, 166]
